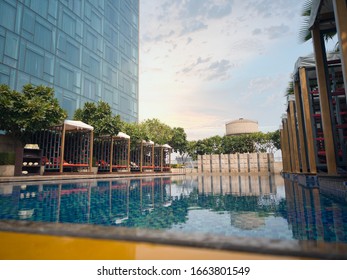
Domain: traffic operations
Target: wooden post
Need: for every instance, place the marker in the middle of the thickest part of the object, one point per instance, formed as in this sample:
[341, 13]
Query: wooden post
[152, 156]
[287, 146]
[293, 137]
[170, 150]
[301, 128]
[322, 76]
[62, 149]
[311, 153]
[290, 143]
[161, 158]
[111, 154]
[284, 154]
[340, 11]
[128, 154]
[141, 155]
[91, 143]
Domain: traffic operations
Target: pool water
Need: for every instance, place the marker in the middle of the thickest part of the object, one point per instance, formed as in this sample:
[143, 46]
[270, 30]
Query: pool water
[247, 206]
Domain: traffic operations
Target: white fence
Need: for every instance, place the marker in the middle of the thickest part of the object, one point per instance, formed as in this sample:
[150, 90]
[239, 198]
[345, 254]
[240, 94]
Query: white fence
[237, 163]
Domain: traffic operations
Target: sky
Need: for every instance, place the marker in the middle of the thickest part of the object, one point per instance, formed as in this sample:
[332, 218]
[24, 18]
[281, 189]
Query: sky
[204, 63]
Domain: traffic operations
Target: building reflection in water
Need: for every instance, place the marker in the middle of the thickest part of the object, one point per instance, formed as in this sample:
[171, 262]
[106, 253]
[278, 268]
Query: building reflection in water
[244, 205]
[239, 185]
[249, 200]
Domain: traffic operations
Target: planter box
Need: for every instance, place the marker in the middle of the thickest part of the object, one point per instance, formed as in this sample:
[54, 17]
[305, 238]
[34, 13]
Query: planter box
[6, 170]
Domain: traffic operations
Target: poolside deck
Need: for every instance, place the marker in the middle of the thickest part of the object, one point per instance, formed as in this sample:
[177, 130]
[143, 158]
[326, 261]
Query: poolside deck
[81, 175]
[49, 241]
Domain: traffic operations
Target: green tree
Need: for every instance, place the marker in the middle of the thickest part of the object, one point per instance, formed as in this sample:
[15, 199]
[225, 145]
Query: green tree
[157, 131]
[179, 142]
[261, 141]
[136, 132]
[275, 138]
[191, 150]
[201, 147]
[24, 113]
[99, 115]
[239, 144]
[214, 145]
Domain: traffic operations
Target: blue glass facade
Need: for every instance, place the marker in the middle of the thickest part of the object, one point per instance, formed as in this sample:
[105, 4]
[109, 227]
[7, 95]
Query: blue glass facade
[87, 50]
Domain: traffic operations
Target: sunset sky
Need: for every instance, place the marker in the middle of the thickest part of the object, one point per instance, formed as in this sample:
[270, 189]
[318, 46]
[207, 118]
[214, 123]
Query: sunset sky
[206, 62]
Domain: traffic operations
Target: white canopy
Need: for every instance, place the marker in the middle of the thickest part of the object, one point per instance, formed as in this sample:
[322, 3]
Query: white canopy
[310, 61]
[123, 135]
[314, 12]
[167, 146]
[319, 10]
[70, 125]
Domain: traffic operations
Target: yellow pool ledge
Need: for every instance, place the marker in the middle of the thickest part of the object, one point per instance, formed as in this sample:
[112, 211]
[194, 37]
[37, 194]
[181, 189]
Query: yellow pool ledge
[24, 246]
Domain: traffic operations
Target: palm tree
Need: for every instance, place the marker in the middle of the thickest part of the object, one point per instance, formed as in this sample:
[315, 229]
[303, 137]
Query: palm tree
[305, 33]
[290, 88]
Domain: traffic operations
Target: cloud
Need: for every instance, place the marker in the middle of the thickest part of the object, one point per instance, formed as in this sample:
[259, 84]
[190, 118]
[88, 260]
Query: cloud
[193, 66]
[247, 46]
[159, 37]
[219, 70]
[256, 31]
[275, 32]
[193, 26]
[220, 11]
[278, 8]
[189, 40]
[207, 9]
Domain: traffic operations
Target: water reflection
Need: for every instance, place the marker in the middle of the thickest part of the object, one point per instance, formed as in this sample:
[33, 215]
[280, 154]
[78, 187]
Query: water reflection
[312, 216]
[247, 185]
[253, 206]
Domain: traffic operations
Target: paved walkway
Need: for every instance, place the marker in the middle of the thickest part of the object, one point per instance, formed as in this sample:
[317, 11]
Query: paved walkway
[80, 175]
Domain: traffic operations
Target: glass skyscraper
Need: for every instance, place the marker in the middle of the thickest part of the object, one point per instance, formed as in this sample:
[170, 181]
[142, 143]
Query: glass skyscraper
[87, 50]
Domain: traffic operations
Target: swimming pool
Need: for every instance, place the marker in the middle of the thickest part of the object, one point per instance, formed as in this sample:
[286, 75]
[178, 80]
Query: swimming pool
[219, 206]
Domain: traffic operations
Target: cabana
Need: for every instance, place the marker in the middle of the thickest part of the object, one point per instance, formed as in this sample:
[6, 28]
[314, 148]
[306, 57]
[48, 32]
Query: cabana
[312, 140]
[142, 157]
[328, 17]
[121, 152]
[67, 147]
[162, 158]
[112, 153]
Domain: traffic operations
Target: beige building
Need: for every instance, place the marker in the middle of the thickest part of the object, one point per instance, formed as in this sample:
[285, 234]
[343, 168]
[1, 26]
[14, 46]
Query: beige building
[241, 126]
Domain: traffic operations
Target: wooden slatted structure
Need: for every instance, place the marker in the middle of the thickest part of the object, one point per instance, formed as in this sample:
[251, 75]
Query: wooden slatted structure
[314, 147]
[103, 153]
[121, 152]
[112, 153]
[329, 16]
[162, 158]
[147, 156]
[67, 147]
[142, 157]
